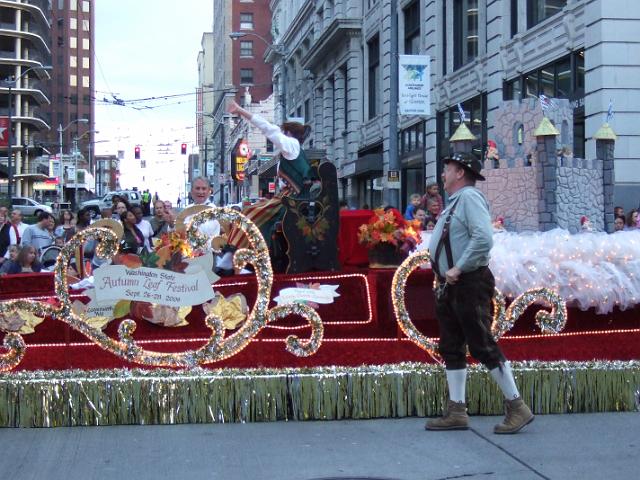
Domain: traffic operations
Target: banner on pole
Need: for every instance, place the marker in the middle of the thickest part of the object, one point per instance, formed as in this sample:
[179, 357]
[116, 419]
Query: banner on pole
[414, 85]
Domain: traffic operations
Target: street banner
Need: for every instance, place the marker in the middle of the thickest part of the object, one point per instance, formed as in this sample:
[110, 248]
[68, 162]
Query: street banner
[414, 85]
[4, 131]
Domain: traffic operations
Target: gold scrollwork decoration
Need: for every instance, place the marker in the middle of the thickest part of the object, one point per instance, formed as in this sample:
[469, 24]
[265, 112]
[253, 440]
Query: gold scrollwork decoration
[217, 346]
[503, 318]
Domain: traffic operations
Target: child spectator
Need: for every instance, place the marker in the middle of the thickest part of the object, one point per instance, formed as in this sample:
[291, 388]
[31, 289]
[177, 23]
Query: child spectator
[618, 224]
[414, 202]
[632, 220]
[618, 212]
[421, 215]
[433, 192]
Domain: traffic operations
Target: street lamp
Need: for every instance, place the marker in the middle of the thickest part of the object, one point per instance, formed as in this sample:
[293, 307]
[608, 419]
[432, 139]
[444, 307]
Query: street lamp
[280, 50]
[75, 157]
[60, 131]
[10, 84]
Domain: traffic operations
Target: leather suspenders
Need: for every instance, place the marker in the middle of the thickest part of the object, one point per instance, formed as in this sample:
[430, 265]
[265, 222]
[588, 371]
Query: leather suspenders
[444, 242]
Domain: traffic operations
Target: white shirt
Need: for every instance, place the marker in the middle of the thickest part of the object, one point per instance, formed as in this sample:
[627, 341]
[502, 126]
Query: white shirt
[12, 235]
[210, 228]
[147, 232]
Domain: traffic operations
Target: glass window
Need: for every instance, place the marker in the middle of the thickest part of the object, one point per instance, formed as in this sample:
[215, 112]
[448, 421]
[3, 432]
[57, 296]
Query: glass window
[547, 81]
[73, 61]
[514, 17]
[85, 81]
[73, 5]
[85, 44]
[73, 80]
[246, 76]
[374, 75]
[246, 48]
[85, 62]
[73, 23]
[540, 10]
[412, 28]
[246, 21]
[85, 25]
[531, 84]
[85, 5]
[60, 4]
[563, 79]
[465, 32]
[73, 42]
[476, 120]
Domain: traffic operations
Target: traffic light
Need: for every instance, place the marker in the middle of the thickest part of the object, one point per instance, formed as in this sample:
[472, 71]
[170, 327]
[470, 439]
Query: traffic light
[137, 153]
[183, 149]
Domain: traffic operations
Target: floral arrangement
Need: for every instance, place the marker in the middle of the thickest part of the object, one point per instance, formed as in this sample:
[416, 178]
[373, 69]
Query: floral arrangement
[169, 253]
[389, 227]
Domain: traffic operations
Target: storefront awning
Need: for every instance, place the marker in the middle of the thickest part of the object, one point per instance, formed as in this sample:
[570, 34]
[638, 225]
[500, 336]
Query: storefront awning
[369, 165]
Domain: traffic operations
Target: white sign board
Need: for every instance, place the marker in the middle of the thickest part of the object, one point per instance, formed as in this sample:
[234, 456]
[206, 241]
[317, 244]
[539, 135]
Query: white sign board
[414, 84]
[117, 282]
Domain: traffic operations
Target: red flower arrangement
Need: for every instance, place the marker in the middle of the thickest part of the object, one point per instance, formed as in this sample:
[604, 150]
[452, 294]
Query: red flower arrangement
[389, 227]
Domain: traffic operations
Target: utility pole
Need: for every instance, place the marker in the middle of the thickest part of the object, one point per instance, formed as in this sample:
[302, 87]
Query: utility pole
[393, 194]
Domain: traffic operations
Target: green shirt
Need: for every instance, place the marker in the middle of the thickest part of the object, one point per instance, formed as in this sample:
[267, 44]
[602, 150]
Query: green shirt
[470, 231]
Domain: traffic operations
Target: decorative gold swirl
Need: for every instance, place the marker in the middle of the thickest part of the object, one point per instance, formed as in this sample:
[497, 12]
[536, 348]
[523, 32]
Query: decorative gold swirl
[216, 348]
[503, 320]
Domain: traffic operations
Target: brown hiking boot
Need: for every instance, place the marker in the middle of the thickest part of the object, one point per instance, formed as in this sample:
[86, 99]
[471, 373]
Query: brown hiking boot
[517, 417]
[454, 418]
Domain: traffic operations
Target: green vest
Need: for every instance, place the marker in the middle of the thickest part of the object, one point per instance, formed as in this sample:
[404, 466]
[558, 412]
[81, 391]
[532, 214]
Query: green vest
[295, 172]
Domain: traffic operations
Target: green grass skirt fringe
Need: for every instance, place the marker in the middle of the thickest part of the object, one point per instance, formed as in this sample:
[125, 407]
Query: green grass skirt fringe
[121, 397]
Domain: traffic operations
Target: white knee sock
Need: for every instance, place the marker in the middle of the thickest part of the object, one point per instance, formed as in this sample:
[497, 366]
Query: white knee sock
[505, 381]
[457, 382]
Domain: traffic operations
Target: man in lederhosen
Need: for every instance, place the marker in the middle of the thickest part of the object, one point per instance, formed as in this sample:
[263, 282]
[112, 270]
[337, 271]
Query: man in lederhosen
[460, 246]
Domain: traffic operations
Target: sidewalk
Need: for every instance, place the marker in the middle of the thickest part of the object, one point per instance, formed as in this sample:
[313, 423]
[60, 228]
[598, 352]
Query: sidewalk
[580, 446]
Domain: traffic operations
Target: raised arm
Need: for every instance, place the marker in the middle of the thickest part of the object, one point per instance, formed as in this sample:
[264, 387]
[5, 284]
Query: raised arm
[289, 147]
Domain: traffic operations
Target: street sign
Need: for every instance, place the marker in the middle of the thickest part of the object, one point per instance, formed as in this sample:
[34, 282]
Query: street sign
[393, 179]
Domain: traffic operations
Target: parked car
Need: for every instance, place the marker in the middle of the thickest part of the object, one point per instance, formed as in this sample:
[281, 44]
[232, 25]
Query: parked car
[97, 204]
[28, 206]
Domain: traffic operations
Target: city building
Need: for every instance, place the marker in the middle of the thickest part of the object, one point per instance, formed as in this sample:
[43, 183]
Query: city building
[107, 173]
[72, 86]
[24, 49]
[241, 44]
[482, 54]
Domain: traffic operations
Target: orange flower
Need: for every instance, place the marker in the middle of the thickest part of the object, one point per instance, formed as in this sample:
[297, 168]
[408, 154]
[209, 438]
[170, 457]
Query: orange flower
[389, 227]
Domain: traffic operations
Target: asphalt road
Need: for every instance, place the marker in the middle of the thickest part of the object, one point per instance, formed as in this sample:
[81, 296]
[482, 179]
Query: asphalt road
[572, 446]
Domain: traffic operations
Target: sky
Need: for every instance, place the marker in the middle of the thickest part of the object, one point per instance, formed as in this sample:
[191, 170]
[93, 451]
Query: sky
[143, 49]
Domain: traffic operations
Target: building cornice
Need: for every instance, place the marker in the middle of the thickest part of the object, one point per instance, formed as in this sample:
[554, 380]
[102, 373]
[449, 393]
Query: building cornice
[332, 37]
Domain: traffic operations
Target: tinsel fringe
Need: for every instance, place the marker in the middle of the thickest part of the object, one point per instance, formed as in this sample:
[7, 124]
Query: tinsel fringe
[118, 397]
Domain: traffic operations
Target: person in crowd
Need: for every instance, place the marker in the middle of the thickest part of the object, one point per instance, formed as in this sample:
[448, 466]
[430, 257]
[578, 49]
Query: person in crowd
[432, 192]
[618, 212]
[168, 205]
[11, 232]
[25, 262]
[460, 246]
[144, 226]
[414, 202]
[83, 220]
[158, 223]
[133, 239]
[433, 210]
[66, 225]
[618, 224]
[40, 235]
[632, 220]
[365, 206]
[200, 193]
[122, 207]
[343, 205]
[146, 203]
[420, 215]
[106, 212]
[178, 202]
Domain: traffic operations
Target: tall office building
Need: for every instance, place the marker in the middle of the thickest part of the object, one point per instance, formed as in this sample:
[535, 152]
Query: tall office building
[24, 47]
[72, 85]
